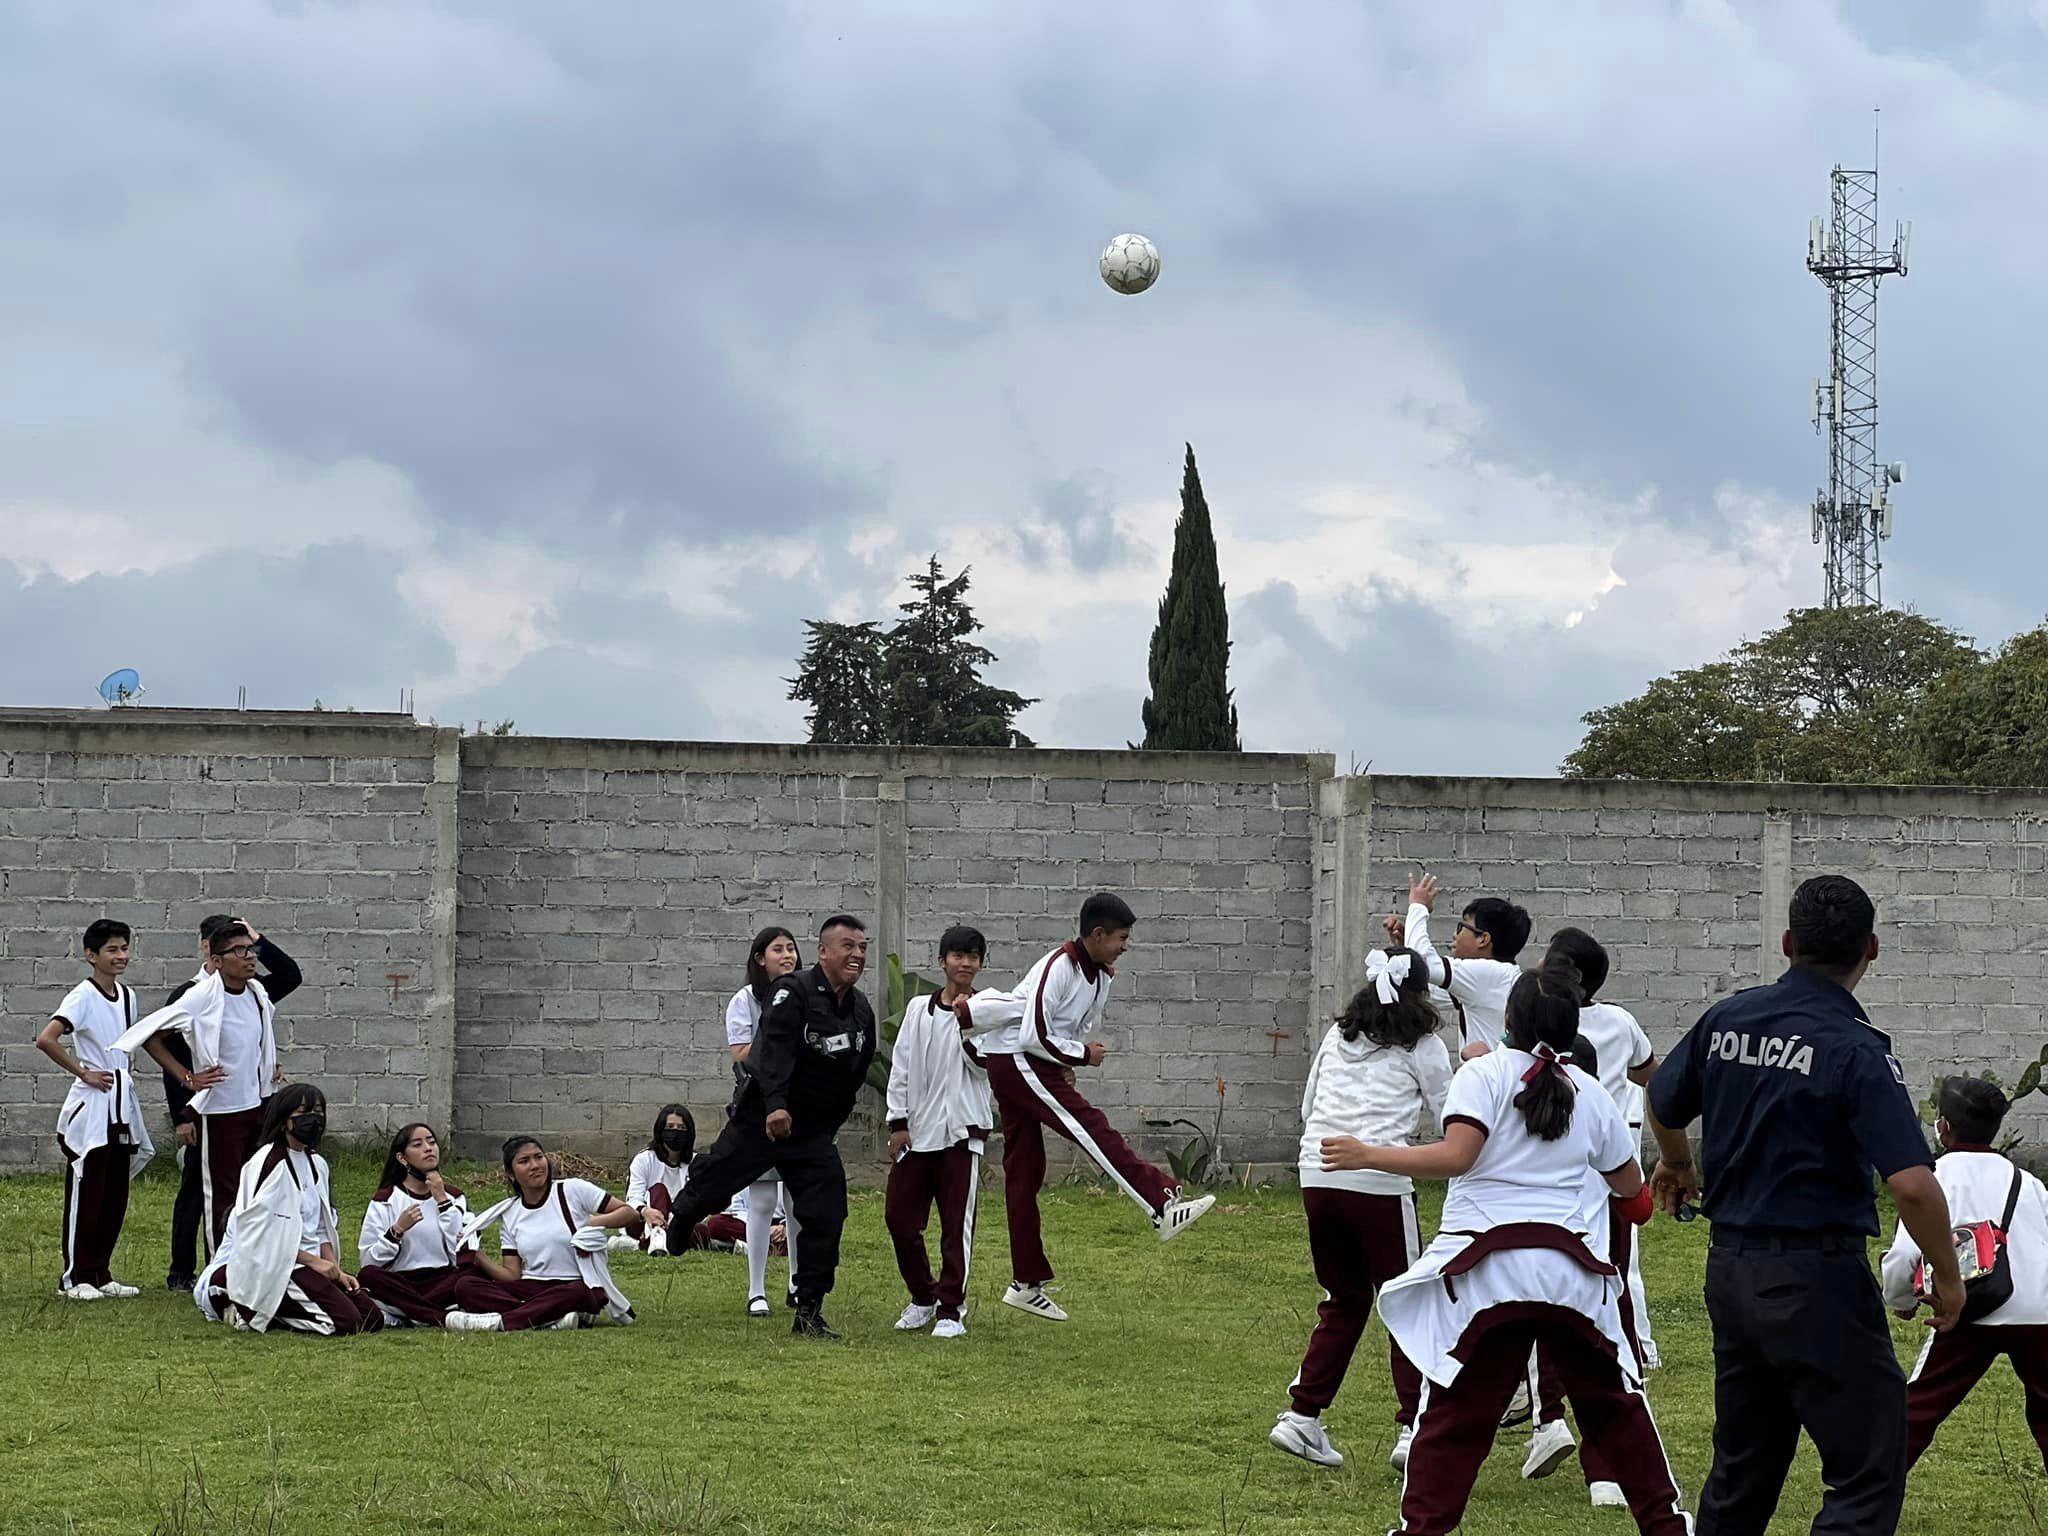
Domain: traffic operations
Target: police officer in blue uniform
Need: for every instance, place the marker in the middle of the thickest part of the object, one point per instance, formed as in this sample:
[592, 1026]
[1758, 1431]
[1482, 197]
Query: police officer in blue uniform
[1798, 1099]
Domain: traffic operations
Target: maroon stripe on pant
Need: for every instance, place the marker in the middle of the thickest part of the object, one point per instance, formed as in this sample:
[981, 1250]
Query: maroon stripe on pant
[320, 1307]
[1359, 1242]
[230, 1141]
[1956, 1362]
[1457, 1424]
[95, 1205]
[525, 1303]
[916, 1180]
[1026, 1115]
[423, 1296]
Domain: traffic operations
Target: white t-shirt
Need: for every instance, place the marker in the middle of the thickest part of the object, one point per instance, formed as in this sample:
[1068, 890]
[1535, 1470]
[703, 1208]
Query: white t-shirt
[742, 1017]
[538, 1235]
[649, 1169]
[1977, 1185]
[1520, 1177]
[96, 1021]
[314, 1216]
[241, 1055]
[1622, 1046]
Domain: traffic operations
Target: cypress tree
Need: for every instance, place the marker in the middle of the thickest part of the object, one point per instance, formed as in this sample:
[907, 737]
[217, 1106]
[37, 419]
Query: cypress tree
[1190, 709]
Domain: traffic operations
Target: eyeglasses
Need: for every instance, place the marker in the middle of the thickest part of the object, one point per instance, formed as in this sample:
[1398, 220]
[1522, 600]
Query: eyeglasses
[1465, 927]
[239, 949]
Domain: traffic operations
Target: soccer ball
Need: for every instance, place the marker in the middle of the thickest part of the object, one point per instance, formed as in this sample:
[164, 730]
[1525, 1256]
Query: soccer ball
[1130, 264]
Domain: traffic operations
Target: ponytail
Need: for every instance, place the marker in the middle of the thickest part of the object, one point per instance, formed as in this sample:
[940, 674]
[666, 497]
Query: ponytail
[1543, 1019]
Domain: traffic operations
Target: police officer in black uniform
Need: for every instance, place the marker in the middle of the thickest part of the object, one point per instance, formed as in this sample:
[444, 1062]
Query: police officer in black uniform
[1798, 1099]
[810, 1058]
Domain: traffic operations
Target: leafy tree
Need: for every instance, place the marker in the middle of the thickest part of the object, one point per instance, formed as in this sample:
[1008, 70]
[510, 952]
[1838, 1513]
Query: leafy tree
[1190, 707]
[932, 689]
[839, 676]
[1827, 697]
[1988, 724]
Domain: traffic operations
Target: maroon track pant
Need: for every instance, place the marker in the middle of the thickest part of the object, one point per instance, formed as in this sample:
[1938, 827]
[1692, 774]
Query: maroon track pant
[1621, 1236]
[1359, 1243]
[95, 1205]
[1033, 1096]
[1457, 1424]
[525, 1303]
[721, 1229]
[312, 1304]
[422, 1296]
[226, 1142]
[917, 1180]
[1957, 1361]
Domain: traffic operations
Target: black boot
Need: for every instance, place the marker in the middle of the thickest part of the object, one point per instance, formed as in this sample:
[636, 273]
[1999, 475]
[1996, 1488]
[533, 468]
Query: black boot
[810, 1323]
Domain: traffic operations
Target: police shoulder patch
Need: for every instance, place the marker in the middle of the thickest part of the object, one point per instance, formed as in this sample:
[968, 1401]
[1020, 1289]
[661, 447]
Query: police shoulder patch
[1898, 1072]
[780, 994]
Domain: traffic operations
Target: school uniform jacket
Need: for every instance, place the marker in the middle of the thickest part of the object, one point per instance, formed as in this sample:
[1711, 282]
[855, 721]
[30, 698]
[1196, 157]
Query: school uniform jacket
[432, 1242]
[935, 1092]
[649, 1169]
[198, 1013]
[1376, 1093]
[1478, 989]
[1978, 1184]
[86, 1121]
[1051, 1013]
[281, 978]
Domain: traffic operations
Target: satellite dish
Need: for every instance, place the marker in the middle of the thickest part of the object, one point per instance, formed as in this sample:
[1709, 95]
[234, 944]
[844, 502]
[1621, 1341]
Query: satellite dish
[122, 687]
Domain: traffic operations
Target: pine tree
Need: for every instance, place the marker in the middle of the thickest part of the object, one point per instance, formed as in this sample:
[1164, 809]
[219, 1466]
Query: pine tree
[840, 677]
[932, 690]
[1190, 709]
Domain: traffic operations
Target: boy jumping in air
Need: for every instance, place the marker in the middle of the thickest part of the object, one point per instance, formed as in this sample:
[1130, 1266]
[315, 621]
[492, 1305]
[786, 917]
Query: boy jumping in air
[1032, 1039]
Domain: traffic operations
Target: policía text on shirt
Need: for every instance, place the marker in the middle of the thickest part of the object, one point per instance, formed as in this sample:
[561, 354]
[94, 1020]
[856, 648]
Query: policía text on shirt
[1786, 1055]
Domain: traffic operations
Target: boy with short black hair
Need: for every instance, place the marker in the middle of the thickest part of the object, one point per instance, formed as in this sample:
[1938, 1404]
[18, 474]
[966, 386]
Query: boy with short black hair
[100, 1127]
[1480, 970]
[1983, 1188]
[939, 1123]
[1032, 1039]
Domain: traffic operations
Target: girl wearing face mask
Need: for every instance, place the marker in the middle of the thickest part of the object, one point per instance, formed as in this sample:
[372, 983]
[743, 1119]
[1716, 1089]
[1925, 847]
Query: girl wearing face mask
[656, 1177]
[412, 1236]
[772, 956]
[277, 1266]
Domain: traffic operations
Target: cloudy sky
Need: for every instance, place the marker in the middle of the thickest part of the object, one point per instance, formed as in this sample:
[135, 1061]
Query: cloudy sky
[557, 362]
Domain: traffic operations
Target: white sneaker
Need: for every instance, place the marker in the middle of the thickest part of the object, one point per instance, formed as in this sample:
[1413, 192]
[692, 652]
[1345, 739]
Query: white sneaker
[757, 1306]
[915, 1317]
[618, 1242]
[83, 1293]
[1607, 1496]
[657, 1240]
[740, 1247]
[474, 1322]
[1651, 1359]
[1520, 1410]
[1032, 1299]
[1402, 1443]
[1305, 1437]
[950, 1328]
[116, 1288]
[564, 1325]
[1549, 1448]
[1179, 1215]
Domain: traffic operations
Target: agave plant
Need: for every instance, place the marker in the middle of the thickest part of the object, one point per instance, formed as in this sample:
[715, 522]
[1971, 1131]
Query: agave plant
[901, 989]
[2029, 1083]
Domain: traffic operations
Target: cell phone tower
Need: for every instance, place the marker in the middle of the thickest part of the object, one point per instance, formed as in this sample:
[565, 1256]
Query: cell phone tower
[1852, 515]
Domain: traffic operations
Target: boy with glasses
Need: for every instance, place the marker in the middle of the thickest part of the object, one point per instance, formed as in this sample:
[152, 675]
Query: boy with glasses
[1480, 970]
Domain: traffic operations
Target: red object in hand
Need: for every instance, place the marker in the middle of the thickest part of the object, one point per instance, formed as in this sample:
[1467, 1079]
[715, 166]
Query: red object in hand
[1638, 1207]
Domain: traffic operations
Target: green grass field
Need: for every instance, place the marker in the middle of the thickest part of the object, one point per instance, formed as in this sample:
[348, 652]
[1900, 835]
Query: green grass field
[1147, 1413]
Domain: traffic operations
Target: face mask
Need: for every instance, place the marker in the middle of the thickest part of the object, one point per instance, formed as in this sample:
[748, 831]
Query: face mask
[676, 1141]
[308, 1129]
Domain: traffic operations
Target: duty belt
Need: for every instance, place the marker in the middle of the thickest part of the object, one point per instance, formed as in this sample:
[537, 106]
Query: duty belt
[1780, 1240]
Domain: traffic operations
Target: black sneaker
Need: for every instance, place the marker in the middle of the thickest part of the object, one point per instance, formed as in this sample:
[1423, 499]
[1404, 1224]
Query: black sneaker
[793, 1302]
[180, 1283]
[810, 1324]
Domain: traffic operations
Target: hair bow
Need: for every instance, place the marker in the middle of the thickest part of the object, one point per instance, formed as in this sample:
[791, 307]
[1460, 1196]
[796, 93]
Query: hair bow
[1547, 1060]
[1388, 974]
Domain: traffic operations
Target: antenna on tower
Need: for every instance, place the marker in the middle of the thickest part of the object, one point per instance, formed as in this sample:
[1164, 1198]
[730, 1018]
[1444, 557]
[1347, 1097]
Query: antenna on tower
[1852, 514]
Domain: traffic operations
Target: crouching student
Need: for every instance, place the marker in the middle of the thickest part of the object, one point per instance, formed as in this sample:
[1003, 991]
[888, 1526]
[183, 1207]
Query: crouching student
[278, 1265]
[1380, 1066]
[2008, 1317]
[1514, 1267]
[552, 1239]
[657, 1176]
[939, 1120]
[411, 1240]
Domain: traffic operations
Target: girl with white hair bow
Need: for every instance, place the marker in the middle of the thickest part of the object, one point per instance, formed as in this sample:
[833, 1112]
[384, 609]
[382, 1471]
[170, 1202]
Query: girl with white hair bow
[1379, 1067]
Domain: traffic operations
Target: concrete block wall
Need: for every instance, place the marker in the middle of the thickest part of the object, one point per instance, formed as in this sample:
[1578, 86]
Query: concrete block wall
[334, 836]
